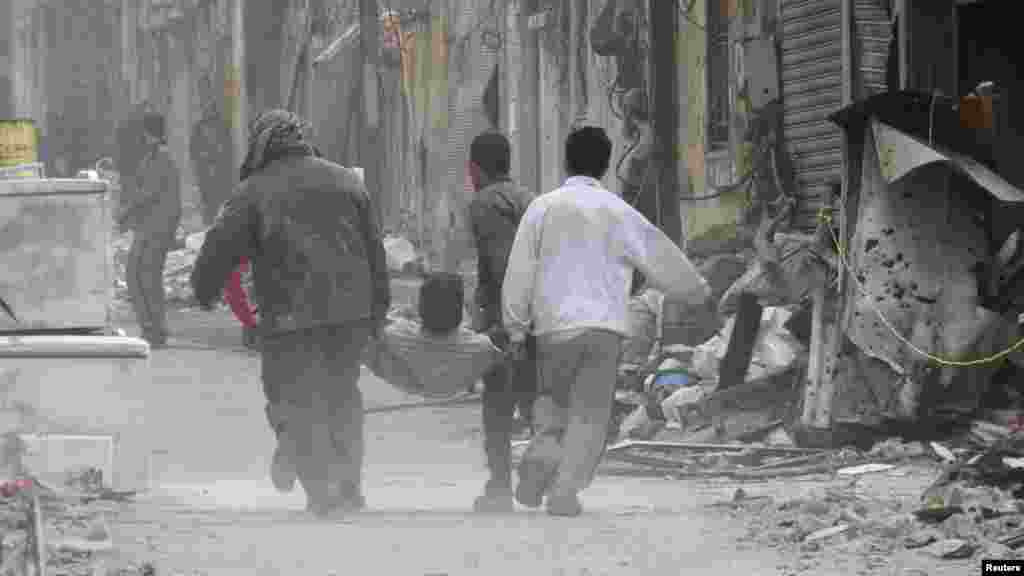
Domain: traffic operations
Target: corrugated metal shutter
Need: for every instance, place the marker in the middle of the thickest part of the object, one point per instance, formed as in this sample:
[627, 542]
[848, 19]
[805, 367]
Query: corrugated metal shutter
[812, 89]
[874, 32]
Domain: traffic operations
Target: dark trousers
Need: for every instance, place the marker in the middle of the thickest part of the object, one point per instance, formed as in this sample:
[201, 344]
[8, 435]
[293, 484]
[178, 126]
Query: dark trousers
[508, 386]
[311, 383]
[145, 279]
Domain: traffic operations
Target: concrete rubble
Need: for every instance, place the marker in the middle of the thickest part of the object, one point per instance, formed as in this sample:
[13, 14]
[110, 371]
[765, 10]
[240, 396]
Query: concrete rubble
[62, 527]
[969, 508]
[678, 391]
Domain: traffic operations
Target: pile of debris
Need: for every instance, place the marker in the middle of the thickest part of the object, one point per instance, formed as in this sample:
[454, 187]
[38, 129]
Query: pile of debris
[964, 497]
[61, 530]
[680, 393]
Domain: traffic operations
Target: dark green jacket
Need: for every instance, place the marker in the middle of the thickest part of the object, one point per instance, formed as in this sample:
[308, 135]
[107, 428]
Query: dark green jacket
[154, 207]
[494, 218]
[307, 227]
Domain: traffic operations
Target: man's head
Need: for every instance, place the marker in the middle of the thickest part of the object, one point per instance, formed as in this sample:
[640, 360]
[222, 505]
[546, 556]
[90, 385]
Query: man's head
[588, 152]
[272, 134]
[490, 158]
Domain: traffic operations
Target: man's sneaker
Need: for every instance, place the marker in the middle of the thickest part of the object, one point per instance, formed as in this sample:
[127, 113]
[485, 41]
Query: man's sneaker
[495, 501]
[282, 468]
[566, 505]
[337, 510]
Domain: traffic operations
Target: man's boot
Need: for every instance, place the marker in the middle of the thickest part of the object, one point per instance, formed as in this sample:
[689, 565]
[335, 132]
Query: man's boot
[564, 503]
[283, 466]
[538, 468]
[496, 499]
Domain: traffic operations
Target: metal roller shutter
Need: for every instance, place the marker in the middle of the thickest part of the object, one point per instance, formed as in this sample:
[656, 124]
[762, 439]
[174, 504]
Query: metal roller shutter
[812, 89]
[873, 29]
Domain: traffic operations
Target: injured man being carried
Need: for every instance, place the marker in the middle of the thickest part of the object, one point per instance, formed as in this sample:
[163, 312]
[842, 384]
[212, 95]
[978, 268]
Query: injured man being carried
[433, 355]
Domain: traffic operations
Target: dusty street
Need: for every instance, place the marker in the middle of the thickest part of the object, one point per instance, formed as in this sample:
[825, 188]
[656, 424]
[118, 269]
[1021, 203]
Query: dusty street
[214, 511]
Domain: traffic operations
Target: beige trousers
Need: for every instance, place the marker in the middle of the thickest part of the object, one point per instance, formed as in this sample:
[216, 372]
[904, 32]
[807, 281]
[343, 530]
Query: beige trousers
[577, 375]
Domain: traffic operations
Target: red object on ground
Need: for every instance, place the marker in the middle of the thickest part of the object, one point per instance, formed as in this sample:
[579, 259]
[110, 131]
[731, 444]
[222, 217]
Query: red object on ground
[237, 299]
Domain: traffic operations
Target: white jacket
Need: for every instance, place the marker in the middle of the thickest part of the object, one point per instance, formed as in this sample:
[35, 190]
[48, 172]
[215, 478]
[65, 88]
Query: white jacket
[573, 259]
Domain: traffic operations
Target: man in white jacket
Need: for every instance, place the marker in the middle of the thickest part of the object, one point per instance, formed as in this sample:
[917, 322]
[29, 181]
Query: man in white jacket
[567, 282]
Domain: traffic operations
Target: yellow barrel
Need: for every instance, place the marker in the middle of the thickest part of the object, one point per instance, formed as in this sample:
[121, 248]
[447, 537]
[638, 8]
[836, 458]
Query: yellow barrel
[19, 143]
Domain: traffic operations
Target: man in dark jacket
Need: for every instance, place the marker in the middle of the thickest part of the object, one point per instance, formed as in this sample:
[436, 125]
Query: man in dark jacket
[152, 211]
[321, 285]
[494, 216]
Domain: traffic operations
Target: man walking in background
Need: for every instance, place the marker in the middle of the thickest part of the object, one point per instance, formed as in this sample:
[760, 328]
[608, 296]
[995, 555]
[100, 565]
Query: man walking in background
[153, 213]
[321, 285]
[568, 283]
[495, 212]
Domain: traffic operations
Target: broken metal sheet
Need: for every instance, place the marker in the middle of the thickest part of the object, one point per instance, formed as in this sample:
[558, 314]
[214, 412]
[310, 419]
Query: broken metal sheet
[914, 246]
[899, 154]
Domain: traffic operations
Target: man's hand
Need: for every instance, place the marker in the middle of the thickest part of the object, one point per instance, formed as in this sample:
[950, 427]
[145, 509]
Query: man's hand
[516, 351]
[499, 337]
[479, 320]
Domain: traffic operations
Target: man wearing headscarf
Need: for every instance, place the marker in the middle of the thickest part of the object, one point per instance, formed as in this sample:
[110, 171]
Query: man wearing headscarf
[321, 285]
[152, 211]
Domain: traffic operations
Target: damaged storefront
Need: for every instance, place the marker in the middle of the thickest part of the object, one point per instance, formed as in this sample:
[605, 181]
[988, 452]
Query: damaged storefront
[876, 246]
[926, 318]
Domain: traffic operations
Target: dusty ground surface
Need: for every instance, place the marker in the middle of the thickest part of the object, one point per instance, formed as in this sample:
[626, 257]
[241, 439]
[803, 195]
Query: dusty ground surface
[214, 511]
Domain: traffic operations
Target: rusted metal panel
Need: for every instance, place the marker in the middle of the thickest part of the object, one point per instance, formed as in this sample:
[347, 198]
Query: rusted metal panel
[812, 90]
[912, 254]
[901, 154]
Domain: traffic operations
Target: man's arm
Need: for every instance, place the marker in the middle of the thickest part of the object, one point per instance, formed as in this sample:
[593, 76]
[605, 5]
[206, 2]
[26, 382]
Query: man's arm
[482, 241]
[520, 277]
[227, 241]
[657, 257]
[376, 257]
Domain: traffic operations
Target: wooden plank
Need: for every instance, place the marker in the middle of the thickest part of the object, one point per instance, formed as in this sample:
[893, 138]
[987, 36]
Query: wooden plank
[740, 350]
[701, 447]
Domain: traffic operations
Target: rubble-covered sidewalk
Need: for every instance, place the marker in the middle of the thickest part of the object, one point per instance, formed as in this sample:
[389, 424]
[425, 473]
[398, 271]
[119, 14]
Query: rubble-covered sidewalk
[951, 501]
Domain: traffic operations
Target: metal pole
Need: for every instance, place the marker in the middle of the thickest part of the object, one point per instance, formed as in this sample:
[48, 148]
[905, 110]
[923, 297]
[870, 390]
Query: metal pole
[664, 23]
[234, 83]
[370, 151]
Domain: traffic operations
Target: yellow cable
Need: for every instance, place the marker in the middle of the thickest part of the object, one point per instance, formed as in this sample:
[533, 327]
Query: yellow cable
[827, 220]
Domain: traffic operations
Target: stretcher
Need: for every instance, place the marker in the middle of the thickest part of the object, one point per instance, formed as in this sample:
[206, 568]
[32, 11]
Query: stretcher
[427, 365]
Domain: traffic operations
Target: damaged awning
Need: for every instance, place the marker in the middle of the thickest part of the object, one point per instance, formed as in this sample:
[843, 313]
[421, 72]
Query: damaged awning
[900, 154]
[913, 130]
